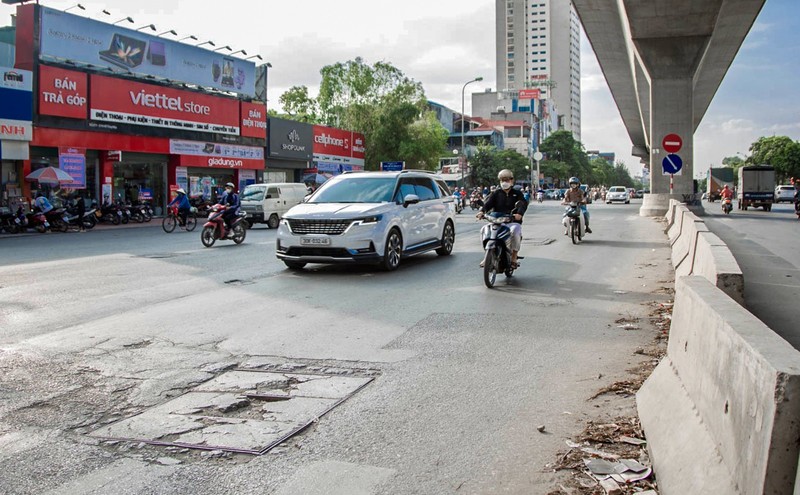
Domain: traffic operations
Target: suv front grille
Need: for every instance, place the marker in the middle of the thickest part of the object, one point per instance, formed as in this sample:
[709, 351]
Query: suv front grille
[330, 227]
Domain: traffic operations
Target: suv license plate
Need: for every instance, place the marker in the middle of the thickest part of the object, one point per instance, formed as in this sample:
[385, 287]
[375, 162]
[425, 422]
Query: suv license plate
[315, 241]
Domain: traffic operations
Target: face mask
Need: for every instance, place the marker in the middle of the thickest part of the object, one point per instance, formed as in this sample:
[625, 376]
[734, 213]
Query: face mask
[505, 185]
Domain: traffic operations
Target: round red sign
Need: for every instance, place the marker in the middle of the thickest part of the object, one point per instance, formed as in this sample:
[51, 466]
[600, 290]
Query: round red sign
[672, 143]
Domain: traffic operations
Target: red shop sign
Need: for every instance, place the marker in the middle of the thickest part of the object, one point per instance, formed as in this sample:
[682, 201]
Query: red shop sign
[62, 92]
[359, 145]
[220, 162]
[254, 120]
[331, 141]
[134, 103]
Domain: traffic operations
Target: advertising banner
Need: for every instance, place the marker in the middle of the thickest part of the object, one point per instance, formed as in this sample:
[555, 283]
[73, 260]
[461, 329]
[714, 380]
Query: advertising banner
[73, 162]
[202, 154]
[530, 94]
[65, 36]
[254, 120]
[134, 103]
[182, 177]
[359, 147]
[331, 141]
[290, 139]
[246, 177]
[63, 93]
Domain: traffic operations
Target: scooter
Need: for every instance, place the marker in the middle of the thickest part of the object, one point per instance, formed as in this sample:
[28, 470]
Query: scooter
[459, 206]
[573, 221]
[475, 202]
[215, 228]
[727, 205]
[38, 221]
[497, 254]
[540, 196]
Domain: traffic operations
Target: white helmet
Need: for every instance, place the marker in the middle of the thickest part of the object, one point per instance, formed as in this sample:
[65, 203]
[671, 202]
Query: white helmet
[180, 191]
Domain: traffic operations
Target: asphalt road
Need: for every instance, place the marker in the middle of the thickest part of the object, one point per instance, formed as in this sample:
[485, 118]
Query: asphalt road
[99, 327]
[765, 246]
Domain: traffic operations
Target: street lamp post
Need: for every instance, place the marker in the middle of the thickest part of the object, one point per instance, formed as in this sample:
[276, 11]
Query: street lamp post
[463, 149]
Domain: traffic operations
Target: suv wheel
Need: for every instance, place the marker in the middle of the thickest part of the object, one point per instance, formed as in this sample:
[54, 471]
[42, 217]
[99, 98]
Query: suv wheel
[448, 239]
[392, 251]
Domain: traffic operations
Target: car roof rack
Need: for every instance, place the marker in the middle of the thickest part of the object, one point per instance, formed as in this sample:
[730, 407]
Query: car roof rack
[406, 171]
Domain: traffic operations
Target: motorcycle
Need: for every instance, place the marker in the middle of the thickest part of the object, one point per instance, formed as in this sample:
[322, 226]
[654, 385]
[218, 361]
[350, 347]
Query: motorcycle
[574, 222]
[459, 206]
[495, 237]
[109, 213]
[215, 227]
[540, 196]
[475, 202]
[58, 219]
[11, 223]
[727, 205]
[38, 221]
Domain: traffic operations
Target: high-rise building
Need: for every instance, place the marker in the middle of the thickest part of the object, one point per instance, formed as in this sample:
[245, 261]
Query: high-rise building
[538, 46]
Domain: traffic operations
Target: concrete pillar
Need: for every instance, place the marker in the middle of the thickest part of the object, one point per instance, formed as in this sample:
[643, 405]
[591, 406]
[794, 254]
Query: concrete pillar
[671, 64]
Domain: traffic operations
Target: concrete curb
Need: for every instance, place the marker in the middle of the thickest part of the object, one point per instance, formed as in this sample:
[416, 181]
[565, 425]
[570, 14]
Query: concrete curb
[722, 411]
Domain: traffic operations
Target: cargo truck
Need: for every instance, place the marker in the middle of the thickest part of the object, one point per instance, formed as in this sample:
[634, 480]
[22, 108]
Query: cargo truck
[756, 187]
[717, 179]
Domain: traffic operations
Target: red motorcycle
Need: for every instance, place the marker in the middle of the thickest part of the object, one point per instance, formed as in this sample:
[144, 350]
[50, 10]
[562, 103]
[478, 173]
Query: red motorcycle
[215, 227]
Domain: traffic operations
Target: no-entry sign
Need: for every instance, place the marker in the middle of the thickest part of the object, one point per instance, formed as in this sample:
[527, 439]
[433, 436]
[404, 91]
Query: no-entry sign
[672, 143]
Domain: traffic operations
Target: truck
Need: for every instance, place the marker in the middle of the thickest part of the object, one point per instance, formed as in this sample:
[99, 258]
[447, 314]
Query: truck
[756, 187]
[717, 179]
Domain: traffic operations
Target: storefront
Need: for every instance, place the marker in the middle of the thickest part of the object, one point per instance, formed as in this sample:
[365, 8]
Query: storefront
[290, 150]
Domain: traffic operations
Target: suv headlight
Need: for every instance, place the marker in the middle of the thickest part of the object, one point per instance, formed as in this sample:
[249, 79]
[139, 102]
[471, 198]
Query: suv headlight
[369, 220]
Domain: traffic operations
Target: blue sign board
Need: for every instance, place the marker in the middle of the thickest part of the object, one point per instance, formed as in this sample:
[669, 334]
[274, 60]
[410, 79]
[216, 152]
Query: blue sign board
[392, 166]
[75, 166]
[672, 164]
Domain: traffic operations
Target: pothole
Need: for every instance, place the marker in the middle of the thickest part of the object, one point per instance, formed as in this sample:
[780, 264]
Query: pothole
[241, 411]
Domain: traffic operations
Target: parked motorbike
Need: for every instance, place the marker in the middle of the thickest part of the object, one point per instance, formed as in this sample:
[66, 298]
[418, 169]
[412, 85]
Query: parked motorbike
[38, 220]
[574, 222]
[109, 213]
[10, 223]
[215, 227]
[495, 237]
[203, 206]
[727, 205]
[88, 219]
[58, 219]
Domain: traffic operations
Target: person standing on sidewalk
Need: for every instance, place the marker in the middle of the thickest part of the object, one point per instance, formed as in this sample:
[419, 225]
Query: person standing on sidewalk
[80, 210]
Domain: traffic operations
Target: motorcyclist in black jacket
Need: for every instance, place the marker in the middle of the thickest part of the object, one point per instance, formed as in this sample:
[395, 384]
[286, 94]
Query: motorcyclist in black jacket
[504, 200]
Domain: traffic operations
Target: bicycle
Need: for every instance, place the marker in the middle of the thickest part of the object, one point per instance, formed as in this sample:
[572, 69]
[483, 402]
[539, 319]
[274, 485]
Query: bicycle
[173, 220]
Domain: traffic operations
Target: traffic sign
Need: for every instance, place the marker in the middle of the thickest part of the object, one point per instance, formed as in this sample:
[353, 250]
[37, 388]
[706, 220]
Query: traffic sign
[672, 143]
[538, 156]
[671, 164]
[392, 166]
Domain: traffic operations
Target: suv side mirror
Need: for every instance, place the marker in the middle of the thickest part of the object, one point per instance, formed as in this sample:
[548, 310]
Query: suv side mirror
[410, 199]
[269, 196]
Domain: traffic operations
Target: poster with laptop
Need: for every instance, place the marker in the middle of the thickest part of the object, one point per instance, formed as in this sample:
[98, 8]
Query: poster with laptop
[80, 39]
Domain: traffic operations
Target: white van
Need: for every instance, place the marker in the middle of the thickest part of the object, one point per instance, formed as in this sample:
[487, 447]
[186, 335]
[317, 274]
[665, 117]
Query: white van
[267, 203]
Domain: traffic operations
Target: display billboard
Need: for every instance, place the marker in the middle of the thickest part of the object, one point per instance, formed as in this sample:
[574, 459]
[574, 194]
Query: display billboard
[290, 139]
[68, 37]
[337, 146]
[134, 103]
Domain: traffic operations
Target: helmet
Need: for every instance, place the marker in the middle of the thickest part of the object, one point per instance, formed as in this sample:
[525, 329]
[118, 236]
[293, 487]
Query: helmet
[574, 180]
[505, 174]
[229, 184]
[180, 191]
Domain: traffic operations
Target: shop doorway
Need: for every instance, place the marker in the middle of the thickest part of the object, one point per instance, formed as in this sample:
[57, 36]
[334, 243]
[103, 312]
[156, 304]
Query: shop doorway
[138, 182]
[209, 183]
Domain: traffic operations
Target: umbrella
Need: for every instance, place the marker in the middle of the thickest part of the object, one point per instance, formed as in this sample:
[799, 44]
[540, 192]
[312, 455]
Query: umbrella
[50, 175]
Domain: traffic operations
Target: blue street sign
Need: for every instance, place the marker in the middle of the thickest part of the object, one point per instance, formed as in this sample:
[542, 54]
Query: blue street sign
[392, 166]
[672, 164]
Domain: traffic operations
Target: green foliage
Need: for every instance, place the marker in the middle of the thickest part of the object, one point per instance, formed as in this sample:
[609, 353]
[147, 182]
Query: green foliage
[298, 105]
[621, 176]
[780, 152]
[487, 162]
[562, 147]
[380, 102]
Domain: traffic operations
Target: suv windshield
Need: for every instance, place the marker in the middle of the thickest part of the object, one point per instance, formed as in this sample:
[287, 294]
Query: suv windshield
[617, 189]
[356, 190]
[253, 194]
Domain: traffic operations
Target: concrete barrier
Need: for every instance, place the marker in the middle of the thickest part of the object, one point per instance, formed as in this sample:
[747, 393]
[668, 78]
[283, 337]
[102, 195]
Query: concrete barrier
[721, 412]
[684, 246]
[715, 262]
[673, 205]
[675, 231]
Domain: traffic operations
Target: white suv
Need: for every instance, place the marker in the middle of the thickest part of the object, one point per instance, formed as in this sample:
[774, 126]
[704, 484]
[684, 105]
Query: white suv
[784, 193]
[369, 217]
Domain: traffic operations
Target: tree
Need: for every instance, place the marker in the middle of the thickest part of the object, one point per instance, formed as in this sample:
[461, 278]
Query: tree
[780, 152]
[380, 102]
[602, 172]
[488, 161]
[298, 105]
[621, 176]
[561, 146]
[734, 162]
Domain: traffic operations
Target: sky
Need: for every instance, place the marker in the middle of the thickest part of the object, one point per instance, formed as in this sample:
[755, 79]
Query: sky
[444, 43]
